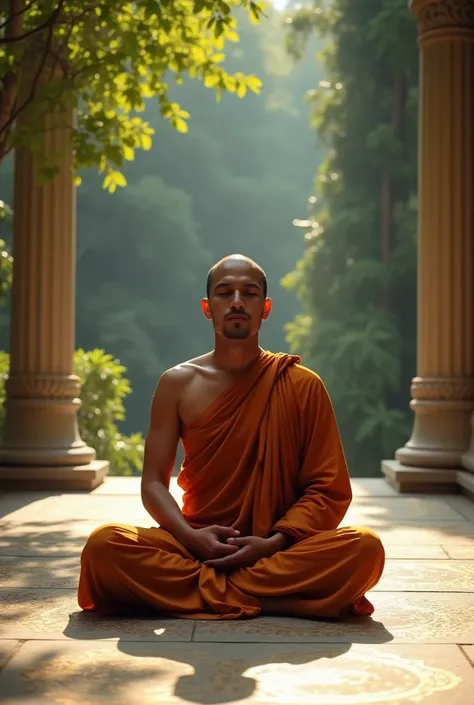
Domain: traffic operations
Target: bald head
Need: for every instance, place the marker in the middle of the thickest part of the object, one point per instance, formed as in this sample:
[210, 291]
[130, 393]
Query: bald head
[239, 261]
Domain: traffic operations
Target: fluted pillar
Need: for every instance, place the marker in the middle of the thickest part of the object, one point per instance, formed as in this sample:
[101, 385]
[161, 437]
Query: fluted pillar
[41, 445]
[443, 390]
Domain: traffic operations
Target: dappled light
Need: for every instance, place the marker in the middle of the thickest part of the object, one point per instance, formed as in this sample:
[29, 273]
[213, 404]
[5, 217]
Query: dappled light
[423, 596]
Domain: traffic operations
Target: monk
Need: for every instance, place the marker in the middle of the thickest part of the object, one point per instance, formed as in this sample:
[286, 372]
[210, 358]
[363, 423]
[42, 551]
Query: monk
[265, 486]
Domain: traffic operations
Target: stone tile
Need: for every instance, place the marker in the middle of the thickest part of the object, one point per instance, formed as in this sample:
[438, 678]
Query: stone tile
[416, 617]
[46, 532]
[436, 533]
[416, 552]
[372, 487]
[8, 649]
[60, 530]
[54, 614]
[463, 505]
[389, 509]
[75, 508]
[39, 572]
[13, 501]
[468, 650]
[460, 552]
[427, 576]
[119, 485]
[50, 673]
[38, 544]
[443, 618]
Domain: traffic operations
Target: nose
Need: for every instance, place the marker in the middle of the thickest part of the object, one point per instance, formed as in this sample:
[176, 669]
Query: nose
[237, 302]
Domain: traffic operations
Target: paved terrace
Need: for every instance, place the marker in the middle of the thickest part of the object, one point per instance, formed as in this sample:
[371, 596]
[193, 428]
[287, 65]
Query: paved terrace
[418, 648]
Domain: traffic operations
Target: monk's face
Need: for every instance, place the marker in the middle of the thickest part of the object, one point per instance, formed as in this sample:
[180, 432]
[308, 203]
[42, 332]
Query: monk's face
[236, 305]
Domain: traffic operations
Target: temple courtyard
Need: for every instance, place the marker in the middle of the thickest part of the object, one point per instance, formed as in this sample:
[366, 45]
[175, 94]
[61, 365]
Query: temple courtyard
[418, 647]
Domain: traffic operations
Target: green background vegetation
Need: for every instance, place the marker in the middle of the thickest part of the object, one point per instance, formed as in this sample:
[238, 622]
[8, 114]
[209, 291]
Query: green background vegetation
[339, 100]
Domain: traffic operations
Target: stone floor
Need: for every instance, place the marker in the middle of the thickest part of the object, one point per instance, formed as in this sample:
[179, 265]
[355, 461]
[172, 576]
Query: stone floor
[419, 647]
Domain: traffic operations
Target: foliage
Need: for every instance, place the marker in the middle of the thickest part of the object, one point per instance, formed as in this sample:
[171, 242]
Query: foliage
[4, 367]
[104, 389]
[107, 57]
[233, 183]
[6, 271]
[6, 260]
[357, 278]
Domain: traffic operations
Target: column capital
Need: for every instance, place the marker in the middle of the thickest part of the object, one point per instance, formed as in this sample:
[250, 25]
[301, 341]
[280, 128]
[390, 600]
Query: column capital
[440, 19]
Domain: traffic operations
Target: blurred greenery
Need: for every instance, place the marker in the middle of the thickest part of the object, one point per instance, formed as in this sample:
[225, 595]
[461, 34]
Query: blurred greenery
[357, 278]
[339, 95]
[232, 183]
[106, 59]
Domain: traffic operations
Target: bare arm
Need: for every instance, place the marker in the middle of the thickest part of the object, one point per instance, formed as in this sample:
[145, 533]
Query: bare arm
[160, 454]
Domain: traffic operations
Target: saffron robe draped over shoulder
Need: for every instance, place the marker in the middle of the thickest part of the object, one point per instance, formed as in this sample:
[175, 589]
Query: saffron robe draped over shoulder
[266, 456]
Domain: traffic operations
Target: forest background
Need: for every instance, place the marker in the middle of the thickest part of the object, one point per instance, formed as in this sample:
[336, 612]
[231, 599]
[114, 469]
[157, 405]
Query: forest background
[314, 178]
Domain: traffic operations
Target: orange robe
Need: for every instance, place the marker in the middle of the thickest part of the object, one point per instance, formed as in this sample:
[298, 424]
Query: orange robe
[266, 456]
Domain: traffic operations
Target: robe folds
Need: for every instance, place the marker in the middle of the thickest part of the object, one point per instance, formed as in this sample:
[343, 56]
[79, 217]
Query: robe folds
[265, 456]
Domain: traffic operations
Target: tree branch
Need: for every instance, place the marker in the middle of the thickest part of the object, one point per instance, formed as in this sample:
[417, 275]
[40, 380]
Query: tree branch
[51, 21]
[5, 128]
[16, 14]
[9, 91]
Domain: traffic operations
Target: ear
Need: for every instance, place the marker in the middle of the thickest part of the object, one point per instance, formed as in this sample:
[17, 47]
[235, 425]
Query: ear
[206, 309]
[267, 307]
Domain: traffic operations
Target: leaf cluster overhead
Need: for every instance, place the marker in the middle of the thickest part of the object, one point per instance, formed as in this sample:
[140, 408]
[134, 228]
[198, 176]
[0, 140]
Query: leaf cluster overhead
[107, 58]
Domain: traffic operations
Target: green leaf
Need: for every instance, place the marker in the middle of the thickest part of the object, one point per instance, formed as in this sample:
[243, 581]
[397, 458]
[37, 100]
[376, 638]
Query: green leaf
[114, 179]
[145, 142]
[180, 125]
[134, 65]
[254, 84]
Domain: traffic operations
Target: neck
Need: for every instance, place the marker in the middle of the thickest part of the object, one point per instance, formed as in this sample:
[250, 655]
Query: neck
[235, 355]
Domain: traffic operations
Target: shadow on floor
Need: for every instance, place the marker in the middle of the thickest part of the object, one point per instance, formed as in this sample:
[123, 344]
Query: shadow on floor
[211, 672]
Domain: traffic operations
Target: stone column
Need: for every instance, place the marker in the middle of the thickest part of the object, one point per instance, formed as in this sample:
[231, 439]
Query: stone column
[42, 447]
[443, 390]
[468, 458]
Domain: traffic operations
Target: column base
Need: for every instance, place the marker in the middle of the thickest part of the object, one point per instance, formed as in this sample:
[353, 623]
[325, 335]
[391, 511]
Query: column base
[21, 456]
[466, 482]
[467, 459]
[405, 478]
[80, 478]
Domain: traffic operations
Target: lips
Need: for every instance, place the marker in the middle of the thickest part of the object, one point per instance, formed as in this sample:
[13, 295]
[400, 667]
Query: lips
[237, 318]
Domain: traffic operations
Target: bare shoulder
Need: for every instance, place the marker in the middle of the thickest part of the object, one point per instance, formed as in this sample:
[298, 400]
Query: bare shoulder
[177, 378]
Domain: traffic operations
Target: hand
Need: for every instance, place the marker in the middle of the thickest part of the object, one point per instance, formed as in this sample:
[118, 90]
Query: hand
[250, 549]
[210, 542]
